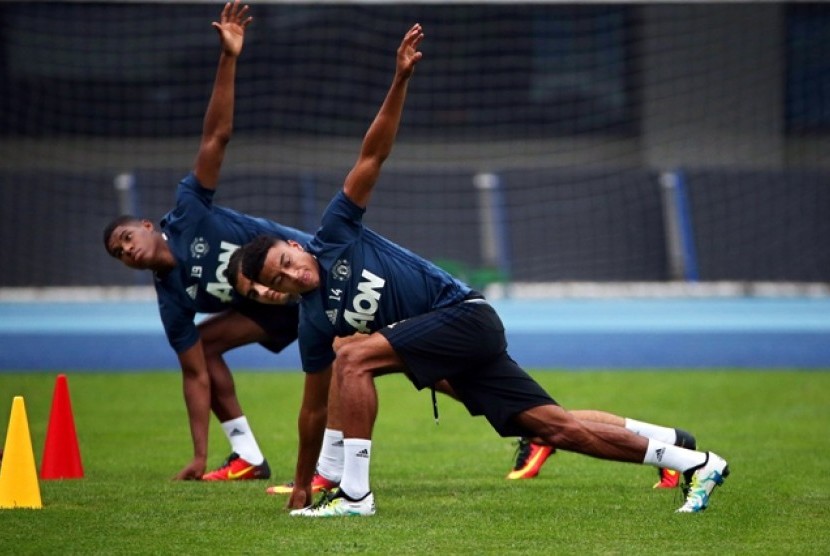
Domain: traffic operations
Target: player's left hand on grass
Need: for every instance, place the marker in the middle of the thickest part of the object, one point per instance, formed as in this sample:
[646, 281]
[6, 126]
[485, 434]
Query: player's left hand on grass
[300, 498]
[193, 471]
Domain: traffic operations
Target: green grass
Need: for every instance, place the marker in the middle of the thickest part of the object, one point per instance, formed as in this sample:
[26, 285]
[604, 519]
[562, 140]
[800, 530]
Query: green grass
[439, 489]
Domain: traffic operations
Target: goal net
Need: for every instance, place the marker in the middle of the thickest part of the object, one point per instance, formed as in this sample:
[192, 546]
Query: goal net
[536, 145]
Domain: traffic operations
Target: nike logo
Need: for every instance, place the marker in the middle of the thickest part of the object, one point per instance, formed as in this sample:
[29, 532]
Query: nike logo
[535, 459]
[239, 474]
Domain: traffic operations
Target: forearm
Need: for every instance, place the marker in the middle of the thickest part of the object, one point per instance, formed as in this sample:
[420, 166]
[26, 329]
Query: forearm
[196, 389]
[380, 137]
[218, 121]
[377, 144]
[197, 399]
[311, 426]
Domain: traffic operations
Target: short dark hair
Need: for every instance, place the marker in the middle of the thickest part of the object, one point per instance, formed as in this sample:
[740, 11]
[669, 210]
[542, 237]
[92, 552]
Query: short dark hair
[253, 255]
[234, 264]
[118, 221]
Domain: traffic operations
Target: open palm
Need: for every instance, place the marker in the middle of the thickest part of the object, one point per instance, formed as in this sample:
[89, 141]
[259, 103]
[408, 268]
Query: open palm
[231, 27]
[408, 54]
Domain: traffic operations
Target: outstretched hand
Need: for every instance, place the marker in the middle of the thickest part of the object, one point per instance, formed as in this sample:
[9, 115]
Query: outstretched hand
[193, 471]
[408, 54]
[231, 27]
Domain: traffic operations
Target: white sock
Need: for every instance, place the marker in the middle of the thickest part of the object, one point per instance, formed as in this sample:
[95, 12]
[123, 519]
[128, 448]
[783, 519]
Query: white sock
[357, 453]
[663, 434]
[661, 454]
[242, 440]
[330, 464]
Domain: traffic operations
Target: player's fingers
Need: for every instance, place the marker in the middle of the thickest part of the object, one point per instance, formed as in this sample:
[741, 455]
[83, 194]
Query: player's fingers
[417, 41]
[243, 11]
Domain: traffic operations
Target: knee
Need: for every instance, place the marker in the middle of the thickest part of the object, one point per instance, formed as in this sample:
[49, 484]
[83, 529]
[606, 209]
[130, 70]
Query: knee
[555, 427]
[212, 352]
[351, 362]
[212, 345]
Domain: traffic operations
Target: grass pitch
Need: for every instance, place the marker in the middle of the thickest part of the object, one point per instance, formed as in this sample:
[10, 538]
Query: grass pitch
[439, 489]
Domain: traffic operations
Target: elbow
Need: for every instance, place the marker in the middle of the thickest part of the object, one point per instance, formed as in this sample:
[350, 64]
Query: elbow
[223, 136]
[380, 158]
[376, 156]
[217, 141]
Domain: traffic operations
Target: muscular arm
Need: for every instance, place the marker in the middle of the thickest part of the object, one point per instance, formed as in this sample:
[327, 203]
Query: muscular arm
[378, 141]
[196, 388]
[311, 424]
[218, 122]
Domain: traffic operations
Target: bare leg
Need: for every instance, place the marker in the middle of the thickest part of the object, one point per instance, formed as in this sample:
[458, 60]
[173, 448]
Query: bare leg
[221, 334]
[357, 364]
[596, 416]
[556, 427]
[355, 368]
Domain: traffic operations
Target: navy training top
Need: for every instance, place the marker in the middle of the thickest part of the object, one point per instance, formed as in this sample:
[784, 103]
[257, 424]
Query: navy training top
[202, 237]
[366, 283]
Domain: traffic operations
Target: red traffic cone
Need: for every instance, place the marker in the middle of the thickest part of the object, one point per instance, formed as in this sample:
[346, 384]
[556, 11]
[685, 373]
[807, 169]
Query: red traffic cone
[61, 456]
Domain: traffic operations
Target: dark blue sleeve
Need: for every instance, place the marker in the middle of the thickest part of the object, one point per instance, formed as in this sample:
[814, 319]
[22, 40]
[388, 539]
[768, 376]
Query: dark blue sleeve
[192, 199]
[342, 221]
[178, 322]
[316, 351]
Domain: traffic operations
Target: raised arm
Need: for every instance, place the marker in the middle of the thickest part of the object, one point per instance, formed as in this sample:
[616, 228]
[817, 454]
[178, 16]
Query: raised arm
[218, 122]
[378, 141]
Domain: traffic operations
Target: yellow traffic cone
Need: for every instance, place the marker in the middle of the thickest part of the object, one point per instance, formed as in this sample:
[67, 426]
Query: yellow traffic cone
[18, 475]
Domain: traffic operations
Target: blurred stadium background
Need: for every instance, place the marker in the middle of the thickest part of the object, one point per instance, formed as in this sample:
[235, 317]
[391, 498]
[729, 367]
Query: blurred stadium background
[548, 149]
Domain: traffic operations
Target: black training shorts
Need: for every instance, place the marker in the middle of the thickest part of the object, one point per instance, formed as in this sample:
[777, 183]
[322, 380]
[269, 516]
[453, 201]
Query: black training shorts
[279, 322]
[465, 344]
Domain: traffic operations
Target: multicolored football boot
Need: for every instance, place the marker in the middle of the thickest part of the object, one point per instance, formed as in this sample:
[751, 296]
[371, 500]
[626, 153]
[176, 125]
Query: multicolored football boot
[336, 504]
[237, 469]
[530, 458]
[318, 484]
[669, 478]
[703, 481]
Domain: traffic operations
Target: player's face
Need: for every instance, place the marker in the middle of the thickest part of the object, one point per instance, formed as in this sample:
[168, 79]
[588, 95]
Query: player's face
[134, 244]
[258, 292]
[289, 269]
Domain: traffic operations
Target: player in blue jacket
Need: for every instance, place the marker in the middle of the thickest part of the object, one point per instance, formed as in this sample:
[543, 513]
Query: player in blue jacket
[371, 307]
[188, 254]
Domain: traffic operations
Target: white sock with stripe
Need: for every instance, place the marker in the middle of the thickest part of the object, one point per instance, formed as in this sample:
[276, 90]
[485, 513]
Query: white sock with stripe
[357, 455]
[242, 440]
[663, 434]
[330, 463]
[662, 454]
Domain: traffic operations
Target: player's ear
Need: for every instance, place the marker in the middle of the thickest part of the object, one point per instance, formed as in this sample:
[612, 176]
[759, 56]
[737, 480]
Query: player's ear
[147, 224]
[295, 245]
